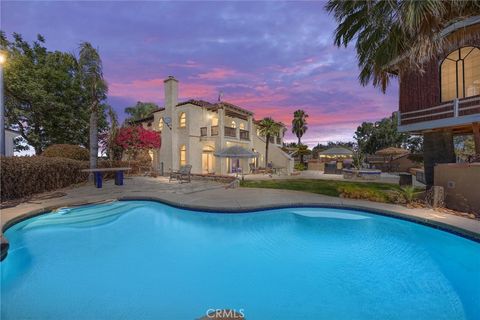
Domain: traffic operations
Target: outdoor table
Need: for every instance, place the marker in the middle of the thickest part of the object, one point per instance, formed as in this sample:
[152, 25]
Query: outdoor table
[98, 173]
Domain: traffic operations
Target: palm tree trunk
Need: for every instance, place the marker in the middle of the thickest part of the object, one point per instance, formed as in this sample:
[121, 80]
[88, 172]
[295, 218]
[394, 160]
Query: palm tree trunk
[267, 142]
[93, 140]
[301, 154]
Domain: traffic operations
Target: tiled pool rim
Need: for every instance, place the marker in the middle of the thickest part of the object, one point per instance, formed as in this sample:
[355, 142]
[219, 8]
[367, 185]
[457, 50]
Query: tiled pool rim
[474, 236]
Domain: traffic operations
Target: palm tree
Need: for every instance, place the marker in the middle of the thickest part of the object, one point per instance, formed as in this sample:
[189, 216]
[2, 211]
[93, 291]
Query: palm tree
[299, 127]
[396, 35]
[91, 72]
[140, 110]
[268, 128]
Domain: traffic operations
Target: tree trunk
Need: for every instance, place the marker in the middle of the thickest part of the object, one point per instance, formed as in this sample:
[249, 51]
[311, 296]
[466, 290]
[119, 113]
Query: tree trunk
[267, 142]
[301, 154]
[93, 140]
[437, 148]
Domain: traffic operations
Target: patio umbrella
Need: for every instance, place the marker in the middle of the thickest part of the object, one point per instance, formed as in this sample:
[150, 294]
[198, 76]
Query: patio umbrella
[236, 152]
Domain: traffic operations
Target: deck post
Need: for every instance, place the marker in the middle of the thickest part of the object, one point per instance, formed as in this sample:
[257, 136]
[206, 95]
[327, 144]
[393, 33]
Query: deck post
[455, 108]
[476, 137]
[438, 148]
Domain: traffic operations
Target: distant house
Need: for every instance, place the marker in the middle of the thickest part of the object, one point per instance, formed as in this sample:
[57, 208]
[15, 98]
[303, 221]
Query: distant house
[194, 131]
[10, 136]
[444, 100]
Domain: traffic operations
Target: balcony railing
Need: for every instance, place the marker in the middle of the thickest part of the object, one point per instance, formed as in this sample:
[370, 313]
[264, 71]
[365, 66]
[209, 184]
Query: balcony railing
[452, 109]
[203, 131]
[279, 141]
[214, 131]
[244, 135]
[230, 132]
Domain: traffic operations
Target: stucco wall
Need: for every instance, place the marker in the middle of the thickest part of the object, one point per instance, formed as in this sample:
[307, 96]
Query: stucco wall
[275, 154]
[461, 183]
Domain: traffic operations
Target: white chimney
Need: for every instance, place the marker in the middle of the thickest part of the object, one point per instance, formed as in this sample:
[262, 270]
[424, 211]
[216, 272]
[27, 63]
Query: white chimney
[171, 92]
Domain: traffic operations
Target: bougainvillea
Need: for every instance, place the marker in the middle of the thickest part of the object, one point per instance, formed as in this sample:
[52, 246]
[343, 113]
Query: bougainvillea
[134, 138]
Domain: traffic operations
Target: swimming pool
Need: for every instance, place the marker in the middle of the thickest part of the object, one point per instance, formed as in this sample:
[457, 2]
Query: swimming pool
[147, 260]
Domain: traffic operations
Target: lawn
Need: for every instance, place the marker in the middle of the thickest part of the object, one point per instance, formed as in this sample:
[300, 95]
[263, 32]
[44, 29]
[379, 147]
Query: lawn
[380, 192]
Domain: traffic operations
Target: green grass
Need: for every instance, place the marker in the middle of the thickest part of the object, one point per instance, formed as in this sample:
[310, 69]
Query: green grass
[381, 192]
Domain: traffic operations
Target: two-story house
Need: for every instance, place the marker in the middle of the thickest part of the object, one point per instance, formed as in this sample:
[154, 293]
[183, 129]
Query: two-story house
[194, 131]
[444, 100]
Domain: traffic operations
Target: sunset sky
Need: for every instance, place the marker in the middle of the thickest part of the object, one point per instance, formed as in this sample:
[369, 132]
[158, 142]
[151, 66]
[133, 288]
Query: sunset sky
[269, 57]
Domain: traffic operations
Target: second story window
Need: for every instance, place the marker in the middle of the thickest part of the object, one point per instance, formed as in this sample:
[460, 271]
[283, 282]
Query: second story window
[233, 125]
[160, 124]
[241, 126]
[183, 120]
[460, 74]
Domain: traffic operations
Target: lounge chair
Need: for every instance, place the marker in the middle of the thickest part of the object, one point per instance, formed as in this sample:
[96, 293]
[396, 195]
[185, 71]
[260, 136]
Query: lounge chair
[183, 174]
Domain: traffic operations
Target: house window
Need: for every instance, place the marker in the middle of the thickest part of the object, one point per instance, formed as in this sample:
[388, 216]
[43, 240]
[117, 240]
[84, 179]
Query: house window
[214, 121]
[242, 126]
[233, 125]
[183, 155]
[183, 120]
[160, 124]
[460, 74]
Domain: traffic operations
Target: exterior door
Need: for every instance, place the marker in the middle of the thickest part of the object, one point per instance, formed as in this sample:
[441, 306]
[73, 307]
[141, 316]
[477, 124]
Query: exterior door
[208, 165]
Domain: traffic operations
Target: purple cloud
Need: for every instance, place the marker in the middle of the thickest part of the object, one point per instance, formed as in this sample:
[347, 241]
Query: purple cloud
[270, 57]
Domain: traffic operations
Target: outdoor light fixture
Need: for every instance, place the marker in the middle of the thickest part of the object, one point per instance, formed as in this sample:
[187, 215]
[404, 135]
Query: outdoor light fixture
[3, 58]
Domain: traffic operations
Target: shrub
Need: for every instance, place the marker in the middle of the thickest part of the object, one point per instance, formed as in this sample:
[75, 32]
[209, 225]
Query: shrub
[24, 176]
[300, 167]
[69, 151]
[353, 192]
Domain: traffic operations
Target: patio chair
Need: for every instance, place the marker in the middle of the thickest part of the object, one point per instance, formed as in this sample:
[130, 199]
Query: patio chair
[183, 174]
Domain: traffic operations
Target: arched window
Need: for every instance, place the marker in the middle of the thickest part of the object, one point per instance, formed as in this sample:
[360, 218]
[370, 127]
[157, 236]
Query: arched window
[160, 124]
[460, 74]
[241, 126]
[183, 155]
[183, 120]
[233, 125]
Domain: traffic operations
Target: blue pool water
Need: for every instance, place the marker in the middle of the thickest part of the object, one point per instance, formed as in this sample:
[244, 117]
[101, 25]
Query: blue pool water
[145, 260]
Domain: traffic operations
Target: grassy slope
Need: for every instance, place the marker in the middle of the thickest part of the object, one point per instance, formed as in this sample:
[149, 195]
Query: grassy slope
[326, 187]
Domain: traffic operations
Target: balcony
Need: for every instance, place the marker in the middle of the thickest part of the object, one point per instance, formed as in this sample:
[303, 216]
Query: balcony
[244, 135]
[214, 131]
[203, 131]
[453, 113]
[230, 132]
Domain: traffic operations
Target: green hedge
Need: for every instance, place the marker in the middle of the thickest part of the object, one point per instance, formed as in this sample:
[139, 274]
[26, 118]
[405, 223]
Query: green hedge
[24, 176]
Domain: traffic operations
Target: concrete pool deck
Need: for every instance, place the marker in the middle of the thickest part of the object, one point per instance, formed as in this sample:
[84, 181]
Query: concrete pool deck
[213, 196]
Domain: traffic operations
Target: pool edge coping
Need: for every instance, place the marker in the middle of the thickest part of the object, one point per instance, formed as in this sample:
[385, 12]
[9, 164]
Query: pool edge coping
[439, 225]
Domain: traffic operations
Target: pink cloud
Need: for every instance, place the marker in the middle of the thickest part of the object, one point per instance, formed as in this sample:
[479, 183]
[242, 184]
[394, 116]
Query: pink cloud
[216, 74]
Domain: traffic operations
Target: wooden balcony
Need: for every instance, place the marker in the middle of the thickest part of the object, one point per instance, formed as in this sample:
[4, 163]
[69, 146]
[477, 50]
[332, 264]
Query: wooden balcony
[449, 114]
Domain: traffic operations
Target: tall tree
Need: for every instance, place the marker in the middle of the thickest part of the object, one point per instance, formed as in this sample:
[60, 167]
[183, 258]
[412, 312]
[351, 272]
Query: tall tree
[268, 128]
[395, 34]
[140, 110]
[372, 137]
[91, 71]
[44, 99]
[299, 124]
